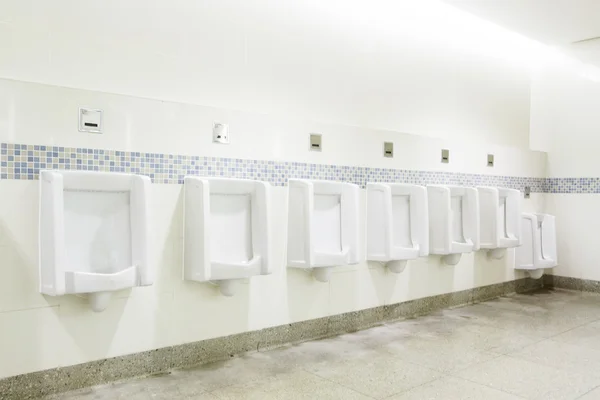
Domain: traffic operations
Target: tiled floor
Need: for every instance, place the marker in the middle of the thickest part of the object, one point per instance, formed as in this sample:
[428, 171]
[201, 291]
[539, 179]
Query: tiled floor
[544, 345]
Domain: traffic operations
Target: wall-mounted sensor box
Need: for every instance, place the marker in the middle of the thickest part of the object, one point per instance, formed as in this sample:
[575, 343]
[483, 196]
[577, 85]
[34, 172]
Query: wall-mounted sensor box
[490, 160]
[315, 142]
[388, 149]
[220, 133]
[90, 120]
[445, 156]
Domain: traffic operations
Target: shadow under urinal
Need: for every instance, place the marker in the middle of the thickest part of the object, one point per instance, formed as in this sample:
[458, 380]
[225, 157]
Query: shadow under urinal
[305, 296]
[421, 283]
[92, 332]
[488, 270]
[386, 289]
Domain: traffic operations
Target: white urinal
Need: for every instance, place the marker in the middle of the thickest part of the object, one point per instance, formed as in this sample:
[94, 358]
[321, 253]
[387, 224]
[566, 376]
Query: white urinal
[93, 234]
[500, 220]
[538, 250]
[397, 224]
[453, 221]
[322, 225]
[226, 230]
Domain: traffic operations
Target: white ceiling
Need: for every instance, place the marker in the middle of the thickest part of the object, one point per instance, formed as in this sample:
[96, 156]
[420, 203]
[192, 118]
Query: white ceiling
[557, 23]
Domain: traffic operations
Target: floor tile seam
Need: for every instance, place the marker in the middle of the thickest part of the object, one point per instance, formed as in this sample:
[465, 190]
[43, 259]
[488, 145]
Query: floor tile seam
[249, 382]
[416, 363]
[443, 351]
[521, 314]
[337, 383]
[496, 355]
[589, 391]
[488, 324]
[559, 369]
[537, 341]
[574, 344]
[489, 386]
[437, 372]
[445, 375]
[572, 328]
[510, 330]
[500, 308]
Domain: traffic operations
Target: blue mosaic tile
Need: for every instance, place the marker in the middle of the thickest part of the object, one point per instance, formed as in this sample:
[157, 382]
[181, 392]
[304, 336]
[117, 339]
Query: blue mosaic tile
[20, 161]
[572, 185]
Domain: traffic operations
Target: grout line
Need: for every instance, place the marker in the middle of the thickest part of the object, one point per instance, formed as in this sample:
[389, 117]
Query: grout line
[29, 309]
[336, 383]
[445, 375]
[589, 391]
[489, 386]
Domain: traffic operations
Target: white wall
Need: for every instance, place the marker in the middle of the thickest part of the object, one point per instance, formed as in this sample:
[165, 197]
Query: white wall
[565, 121]
[421, 68]
[45, 332]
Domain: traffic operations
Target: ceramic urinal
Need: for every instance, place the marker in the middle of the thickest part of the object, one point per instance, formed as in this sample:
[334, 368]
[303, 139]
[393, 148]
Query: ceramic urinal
[500, 219]
[538, 251]
[93, 234]
[226, 230]
[453, 221]
[322, 225]
[397, 224]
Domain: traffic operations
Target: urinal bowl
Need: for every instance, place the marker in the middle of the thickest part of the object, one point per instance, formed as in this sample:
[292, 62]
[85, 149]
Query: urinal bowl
[226, 231]
[496, 254]
[535, 273]
[453, 221]
[228, 287]
[451, 259]
[538, 251]
[99, 300]
[500, 220]
[397, 266]
[322, 226]
[93, 234]
[397, 224]
[322, 274]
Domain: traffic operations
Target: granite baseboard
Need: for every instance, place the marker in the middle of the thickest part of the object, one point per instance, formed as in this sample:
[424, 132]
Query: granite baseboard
[58, 380]
[565, 282]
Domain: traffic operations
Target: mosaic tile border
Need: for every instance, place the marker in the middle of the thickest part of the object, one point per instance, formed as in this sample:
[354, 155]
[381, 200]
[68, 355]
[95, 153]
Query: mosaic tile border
[572, 185]
[22, 161]
[59, 380]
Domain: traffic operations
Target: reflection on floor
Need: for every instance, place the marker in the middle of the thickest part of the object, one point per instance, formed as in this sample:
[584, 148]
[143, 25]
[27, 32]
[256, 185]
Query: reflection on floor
[544, 345]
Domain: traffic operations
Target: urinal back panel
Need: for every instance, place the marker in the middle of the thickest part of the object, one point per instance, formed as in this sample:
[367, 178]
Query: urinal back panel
[401, 221]
[327, 223]
[376, 223]
[297, 218]
[93, 232]
[440, 219]
[457, 219]
[97, 231]
[524, 255]
[231, 228]
[548, 240]
[226, 229]
[490, 213]
[501, 217]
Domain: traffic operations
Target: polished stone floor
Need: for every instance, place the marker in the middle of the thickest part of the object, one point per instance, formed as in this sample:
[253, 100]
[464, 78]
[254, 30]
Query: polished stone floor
[544, 345]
